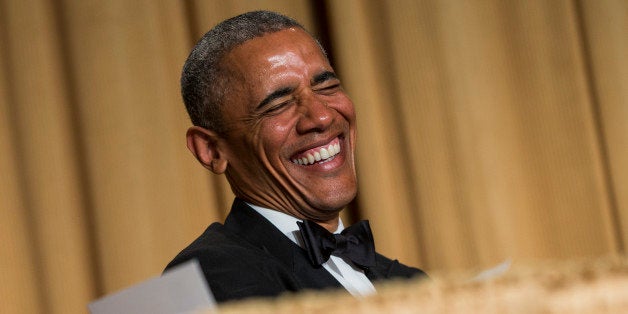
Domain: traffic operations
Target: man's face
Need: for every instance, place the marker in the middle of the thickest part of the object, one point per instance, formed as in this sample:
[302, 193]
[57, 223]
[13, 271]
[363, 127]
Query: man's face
[291, 128]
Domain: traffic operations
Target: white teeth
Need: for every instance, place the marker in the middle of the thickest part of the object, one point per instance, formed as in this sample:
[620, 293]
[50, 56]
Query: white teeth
[317, 156]
[322, 154]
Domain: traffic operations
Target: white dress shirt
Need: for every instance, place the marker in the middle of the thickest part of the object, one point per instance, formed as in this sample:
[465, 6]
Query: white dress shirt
[350, 277]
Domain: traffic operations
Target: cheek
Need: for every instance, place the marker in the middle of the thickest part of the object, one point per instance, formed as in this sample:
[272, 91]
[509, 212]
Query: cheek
[273, 134]
[279, 127]
[344, 106]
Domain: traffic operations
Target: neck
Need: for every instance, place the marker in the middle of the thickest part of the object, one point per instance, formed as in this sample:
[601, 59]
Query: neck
[331, 225]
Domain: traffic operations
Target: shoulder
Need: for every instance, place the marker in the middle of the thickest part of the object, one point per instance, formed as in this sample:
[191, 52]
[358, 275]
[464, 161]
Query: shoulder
[233, 268]
[213, 240]
[390, 269]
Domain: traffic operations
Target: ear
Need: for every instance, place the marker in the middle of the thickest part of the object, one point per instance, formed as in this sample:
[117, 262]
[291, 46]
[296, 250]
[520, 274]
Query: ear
[206, 146]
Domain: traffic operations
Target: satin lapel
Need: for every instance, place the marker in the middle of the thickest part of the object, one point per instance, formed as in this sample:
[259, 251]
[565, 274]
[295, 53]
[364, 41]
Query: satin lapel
[373, 274]
[247, 224]
[252, 227]
[381, 270]
[312, 277]
[387, 269]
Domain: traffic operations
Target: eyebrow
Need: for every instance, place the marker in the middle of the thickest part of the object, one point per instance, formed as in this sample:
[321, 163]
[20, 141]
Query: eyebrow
[284, 91]
[322, 77]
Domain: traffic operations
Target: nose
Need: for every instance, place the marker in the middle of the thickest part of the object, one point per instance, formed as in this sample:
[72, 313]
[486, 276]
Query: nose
[316, 116]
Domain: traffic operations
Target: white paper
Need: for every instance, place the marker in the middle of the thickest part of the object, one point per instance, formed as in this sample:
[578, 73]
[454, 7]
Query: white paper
[493, 272]
[182, 289]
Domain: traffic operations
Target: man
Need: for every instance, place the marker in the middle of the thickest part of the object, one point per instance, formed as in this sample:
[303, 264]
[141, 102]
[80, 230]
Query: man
[270, 113]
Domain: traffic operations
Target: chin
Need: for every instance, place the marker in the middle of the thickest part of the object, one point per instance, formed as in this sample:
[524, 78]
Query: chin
[333, 201]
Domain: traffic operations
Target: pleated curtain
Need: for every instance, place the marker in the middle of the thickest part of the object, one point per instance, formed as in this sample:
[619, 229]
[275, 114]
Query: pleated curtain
[487, 131]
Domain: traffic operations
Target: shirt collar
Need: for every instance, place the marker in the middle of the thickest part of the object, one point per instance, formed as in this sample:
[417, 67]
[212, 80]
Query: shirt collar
[287, 224]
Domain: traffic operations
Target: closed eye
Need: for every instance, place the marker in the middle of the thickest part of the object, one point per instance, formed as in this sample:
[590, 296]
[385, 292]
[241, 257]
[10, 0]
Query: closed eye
[278, 106]
[328, 89]
[275, 96]
[325, 83]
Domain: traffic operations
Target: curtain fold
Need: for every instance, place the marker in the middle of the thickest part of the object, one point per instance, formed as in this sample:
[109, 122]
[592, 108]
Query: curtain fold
[17, 267]
[53, 223]
[487, 130]
[383, 197]
[604, 30]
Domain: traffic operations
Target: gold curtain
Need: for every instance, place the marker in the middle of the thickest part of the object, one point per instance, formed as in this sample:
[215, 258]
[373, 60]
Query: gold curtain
[488, 130]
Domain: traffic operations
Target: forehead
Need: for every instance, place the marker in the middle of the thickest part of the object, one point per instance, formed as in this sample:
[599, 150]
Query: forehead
[287, 59]
[291, 48]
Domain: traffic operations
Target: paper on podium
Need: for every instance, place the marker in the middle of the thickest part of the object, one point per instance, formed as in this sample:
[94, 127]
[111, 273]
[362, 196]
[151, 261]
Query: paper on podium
[493, 272]
[182, 289]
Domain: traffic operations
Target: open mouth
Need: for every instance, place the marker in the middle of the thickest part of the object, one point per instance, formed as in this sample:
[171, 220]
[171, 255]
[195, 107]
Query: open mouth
[319, 154]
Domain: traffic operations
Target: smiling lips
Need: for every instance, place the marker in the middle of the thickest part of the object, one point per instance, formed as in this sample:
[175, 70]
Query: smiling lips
[318, 154]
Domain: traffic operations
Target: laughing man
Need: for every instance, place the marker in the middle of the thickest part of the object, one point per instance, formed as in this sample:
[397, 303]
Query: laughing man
[270, 113]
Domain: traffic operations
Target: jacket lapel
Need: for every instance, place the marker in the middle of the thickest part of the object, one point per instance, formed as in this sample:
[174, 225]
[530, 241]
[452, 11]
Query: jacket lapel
[253, 228]
[386, 269]
[380, 271]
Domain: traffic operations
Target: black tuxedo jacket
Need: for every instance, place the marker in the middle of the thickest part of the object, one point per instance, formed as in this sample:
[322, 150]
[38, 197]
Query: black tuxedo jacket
[248, 256]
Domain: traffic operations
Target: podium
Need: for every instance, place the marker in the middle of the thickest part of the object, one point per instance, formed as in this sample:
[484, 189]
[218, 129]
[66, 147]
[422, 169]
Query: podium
[593, 286]
[586, 286]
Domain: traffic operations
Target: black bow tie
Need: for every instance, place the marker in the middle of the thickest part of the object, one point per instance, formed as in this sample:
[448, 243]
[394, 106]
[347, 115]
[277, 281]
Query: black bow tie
[354, 243]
